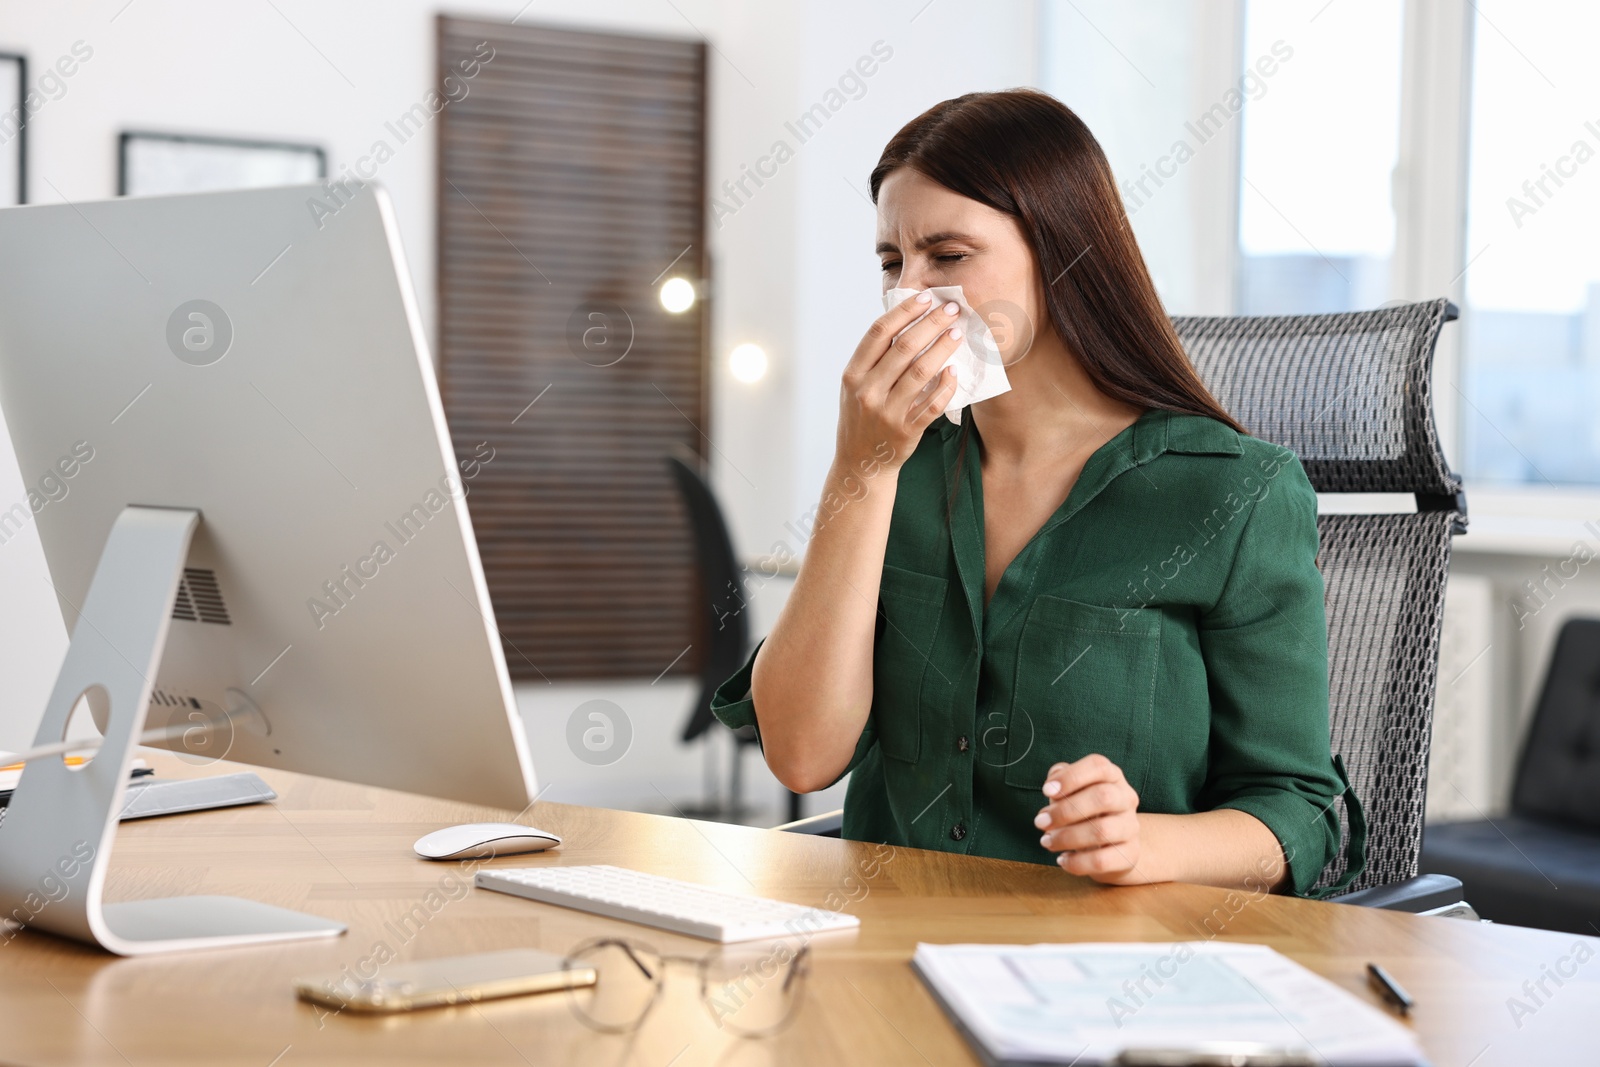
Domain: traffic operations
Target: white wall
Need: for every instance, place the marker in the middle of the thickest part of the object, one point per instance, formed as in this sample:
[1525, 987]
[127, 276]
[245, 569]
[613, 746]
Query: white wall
[1139, 75]
[1539, 573]
[931, 59]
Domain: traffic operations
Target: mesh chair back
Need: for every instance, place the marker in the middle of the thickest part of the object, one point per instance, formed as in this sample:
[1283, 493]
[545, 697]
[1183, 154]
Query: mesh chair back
[1351, 394]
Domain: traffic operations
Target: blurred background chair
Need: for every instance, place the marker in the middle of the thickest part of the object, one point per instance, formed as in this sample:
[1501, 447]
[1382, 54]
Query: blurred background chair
[1540, 865]
[722, 607]
[1351, 395]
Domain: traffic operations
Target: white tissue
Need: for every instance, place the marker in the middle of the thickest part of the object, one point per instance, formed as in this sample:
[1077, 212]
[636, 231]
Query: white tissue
[980, 373]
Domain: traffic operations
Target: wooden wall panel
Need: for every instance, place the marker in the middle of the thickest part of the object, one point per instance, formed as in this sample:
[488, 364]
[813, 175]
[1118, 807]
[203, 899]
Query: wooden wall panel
[571, 175]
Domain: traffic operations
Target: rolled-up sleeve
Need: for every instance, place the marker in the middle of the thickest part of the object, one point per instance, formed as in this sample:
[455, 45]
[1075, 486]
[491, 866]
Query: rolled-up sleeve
[1265, 644]
[733, 705]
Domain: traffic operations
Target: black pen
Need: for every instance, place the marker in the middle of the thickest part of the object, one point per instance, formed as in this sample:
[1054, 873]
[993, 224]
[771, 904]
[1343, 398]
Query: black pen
[1390, 990]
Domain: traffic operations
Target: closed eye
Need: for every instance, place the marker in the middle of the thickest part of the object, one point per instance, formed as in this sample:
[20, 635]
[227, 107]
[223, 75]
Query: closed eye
[946, 257]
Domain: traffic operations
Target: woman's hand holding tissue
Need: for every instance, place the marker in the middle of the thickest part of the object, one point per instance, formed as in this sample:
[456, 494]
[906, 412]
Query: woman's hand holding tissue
[893, 387]
[812, 677]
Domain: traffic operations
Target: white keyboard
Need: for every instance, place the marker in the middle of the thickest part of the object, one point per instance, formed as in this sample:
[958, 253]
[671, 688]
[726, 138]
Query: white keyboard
[665, 903]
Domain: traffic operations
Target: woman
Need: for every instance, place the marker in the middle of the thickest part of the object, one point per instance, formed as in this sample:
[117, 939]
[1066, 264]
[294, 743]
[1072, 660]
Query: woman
[1085, 625]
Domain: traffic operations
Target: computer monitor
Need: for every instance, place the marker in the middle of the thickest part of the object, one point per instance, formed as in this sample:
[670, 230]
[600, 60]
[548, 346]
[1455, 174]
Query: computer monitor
[255, 357]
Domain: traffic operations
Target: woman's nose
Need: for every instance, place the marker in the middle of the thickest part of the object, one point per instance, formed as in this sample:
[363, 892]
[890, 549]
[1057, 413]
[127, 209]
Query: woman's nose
[913, 276]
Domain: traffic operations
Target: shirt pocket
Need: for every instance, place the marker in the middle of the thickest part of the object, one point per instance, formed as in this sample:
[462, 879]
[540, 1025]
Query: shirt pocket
[909, 604]
[1085, 683]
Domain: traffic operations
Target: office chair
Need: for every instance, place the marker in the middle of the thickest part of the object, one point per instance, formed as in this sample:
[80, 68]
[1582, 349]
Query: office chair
[725, 634]
[1351, 395]
[1540, 865]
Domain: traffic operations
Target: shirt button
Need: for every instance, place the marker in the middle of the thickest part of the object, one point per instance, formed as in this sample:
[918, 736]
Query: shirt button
[962, 744]
[958, 831]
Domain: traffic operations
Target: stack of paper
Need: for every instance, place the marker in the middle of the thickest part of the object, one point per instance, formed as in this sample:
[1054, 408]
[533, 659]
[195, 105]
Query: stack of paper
[1089, 1003]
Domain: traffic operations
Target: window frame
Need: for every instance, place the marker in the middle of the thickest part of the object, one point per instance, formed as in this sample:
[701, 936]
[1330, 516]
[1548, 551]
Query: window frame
[1430, 259]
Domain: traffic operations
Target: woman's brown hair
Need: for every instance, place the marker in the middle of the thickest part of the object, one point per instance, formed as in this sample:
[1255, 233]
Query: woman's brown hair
[1024, 153]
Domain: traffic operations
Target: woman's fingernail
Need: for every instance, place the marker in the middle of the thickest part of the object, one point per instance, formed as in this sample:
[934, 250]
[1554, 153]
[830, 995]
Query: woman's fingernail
[955, 333]
[925, 297]
[1052, 787]
[1061, 860]
[951, 308]
[1045, 840]
[1042, 819]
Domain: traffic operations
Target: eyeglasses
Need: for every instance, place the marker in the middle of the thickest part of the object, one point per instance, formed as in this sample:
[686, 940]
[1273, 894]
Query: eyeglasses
[751, 990]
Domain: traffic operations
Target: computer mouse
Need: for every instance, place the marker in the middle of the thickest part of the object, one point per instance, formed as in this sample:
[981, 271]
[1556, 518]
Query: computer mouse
[483, 840]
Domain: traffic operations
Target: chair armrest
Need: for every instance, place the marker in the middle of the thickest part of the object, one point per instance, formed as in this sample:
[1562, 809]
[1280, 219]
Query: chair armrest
[1425, 892]
[828, 824]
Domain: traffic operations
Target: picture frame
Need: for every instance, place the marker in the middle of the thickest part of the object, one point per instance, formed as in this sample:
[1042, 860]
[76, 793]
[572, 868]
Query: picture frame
[13, 129]
[153, 163]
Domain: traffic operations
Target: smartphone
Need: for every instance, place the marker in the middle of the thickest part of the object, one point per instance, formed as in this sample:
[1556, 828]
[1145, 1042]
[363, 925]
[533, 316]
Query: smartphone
[449, 980]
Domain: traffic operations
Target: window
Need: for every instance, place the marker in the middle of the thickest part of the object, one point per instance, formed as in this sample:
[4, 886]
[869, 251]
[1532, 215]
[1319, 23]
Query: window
[1319, 144]
[1305, 199]
[1531, 346]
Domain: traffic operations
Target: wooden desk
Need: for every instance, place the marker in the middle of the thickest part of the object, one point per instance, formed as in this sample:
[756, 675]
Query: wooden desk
[345, 852]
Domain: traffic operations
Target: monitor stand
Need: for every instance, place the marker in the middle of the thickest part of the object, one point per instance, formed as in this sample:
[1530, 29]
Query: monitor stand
[55, 842]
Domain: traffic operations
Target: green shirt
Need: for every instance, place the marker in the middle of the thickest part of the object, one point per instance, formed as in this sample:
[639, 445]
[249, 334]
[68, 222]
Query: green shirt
[1168, 616]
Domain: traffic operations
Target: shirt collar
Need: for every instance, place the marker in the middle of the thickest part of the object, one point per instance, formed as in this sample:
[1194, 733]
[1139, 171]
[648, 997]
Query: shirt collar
[1193, 435]
[1152, 434]
[1158, 431]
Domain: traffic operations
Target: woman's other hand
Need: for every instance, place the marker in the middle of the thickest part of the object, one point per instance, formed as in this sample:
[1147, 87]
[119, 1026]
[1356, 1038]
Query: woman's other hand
[1091, 818]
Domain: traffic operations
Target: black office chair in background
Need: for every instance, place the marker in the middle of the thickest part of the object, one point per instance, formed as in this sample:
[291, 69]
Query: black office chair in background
[1351, 395]
[721, 607]
[1540, 865]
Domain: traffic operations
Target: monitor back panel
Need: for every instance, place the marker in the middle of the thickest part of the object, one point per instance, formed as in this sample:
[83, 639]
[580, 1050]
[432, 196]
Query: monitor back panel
[258, 356]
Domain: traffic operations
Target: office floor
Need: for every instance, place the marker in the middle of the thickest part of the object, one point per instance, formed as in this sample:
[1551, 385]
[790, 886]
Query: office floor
[630, 757]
